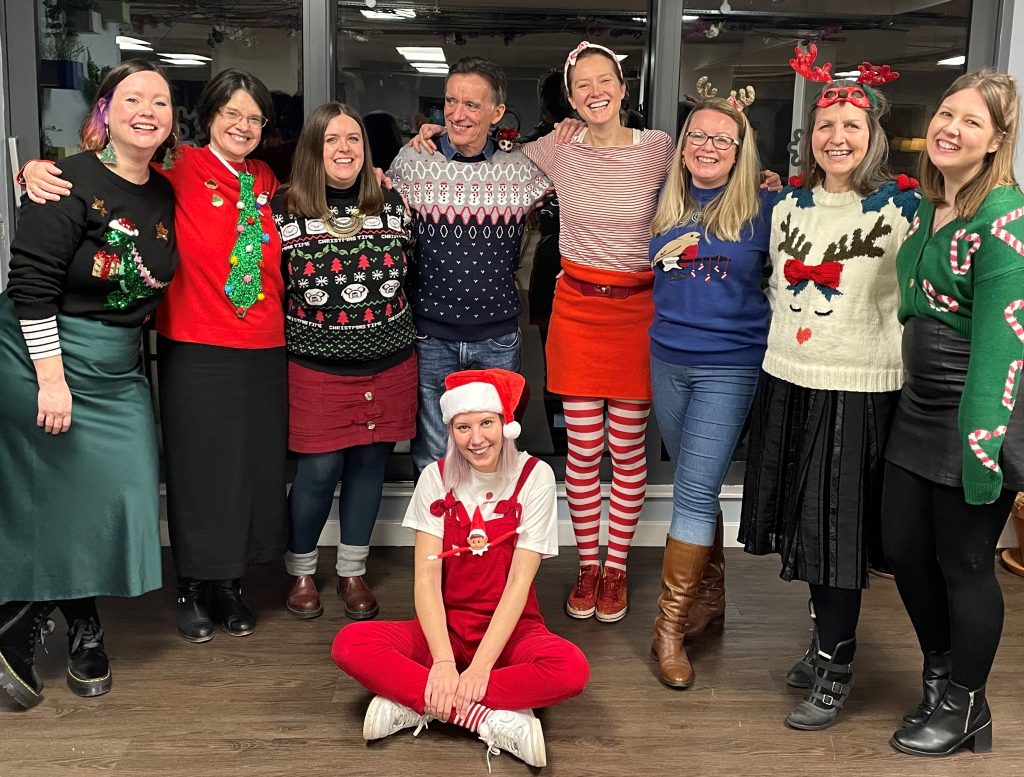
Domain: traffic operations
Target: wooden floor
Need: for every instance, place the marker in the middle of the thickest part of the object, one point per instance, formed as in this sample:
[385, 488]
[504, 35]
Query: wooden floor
[274, 704]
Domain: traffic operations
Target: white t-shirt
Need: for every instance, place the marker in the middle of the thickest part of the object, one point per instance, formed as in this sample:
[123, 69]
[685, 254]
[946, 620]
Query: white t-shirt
[538, 498]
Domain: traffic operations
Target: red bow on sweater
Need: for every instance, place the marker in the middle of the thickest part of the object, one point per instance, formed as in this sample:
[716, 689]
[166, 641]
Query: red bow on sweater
[827, 274]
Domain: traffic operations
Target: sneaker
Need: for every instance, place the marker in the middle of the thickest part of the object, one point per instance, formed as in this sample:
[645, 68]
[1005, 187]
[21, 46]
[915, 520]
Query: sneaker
[385, 717]
[582, 600]
[612, 596]
[517, 733]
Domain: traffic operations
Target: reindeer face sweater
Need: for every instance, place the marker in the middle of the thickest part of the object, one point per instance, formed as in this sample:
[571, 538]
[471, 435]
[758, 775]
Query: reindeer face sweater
[833, 288]
[970, 276]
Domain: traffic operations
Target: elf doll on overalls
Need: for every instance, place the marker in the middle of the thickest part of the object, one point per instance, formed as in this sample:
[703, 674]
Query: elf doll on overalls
[478, 654]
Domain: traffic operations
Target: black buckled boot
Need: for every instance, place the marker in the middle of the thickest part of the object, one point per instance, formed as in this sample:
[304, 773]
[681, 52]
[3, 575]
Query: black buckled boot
[21, 624]
[833, 679]
[934, 679]
[88, 671]
[230, 611]
[962, 718]
[194, 622]
[801, 674]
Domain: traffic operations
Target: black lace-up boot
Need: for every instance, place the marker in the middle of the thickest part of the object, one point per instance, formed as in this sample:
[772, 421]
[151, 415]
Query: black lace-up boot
[88, 672]
[21, 624]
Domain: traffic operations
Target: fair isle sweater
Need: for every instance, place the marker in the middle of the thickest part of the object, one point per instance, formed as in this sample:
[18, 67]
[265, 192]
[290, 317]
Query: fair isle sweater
[468, 216]
[833, 288]
[970, 276]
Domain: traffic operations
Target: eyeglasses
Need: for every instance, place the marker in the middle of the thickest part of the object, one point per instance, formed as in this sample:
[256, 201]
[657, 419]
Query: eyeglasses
[256, 122]
[721, 142]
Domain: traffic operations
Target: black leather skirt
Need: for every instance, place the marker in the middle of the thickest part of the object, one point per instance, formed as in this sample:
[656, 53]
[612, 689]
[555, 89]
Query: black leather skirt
[925, 438]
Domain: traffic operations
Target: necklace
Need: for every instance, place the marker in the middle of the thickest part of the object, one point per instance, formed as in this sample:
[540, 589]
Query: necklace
[345, 226]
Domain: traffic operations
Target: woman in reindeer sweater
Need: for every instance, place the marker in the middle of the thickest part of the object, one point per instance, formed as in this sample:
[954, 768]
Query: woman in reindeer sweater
[962, 283]
[833, 372]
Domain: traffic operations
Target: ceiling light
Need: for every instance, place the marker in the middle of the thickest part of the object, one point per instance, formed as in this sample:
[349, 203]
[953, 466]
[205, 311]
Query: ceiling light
[199, 57]
[430, 65]
[421, 53]
[125, 39]
[621, 57]
[847, 74]
[641, 19]
[689, 17]
[184, 62]
[133, 47]
[390, 16]
[953, 61]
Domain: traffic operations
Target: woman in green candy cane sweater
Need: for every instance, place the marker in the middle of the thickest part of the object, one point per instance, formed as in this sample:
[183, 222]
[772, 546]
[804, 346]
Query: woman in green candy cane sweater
[955, 458]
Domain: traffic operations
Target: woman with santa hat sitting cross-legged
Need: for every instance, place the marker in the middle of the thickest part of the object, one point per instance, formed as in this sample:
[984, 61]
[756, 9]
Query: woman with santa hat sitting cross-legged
[478, 653]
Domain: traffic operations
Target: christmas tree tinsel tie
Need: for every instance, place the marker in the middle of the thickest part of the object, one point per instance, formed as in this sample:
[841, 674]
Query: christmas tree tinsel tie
[244, 286]
[133, 287]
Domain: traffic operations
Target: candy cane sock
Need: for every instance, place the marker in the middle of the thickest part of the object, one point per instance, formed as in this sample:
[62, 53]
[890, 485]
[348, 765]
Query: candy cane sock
[476, 716]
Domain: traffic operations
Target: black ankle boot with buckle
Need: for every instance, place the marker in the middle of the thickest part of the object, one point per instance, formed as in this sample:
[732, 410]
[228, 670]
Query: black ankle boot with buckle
[194, 622]
[833, 679]
[21, 624]
[88, 672]
[230, 610]
[962, 719]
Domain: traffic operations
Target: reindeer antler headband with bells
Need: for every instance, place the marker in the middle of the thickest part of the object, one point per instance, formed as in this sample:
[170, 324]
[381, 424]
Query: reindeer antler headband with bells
[739, 100]
[858, 93]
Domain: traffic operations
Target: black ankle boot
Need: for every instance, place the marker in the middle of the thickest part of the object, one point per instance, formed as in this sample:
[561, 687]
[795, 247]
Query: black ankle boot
[801, 674]
[962, 718]
[934, 679]
[21, 624]
[194, 623]
[833, 679]
[88, 671]
[231, 612]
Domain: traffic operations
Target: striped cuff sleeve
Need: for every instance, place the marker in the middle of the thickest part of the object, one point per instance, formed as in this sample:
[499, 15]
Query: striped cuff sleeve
[41, 337]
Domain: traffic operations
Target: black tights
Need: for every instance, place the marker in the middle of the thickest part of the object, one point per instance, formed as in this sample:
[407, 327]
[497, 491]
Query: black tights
[941, 550]
[836, 612]
[78, 609]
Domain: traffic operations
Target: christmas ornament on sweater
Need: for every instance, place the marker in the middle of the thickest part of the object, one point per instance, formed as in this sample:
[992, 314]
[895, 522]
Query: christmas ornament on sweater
[244, 285]
[135, 281]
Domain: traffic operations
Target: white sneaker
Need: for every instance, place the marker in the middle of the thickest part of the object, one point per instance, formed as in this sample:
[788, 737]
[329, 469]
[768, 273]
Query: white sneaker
[385, 717]
[518, 733]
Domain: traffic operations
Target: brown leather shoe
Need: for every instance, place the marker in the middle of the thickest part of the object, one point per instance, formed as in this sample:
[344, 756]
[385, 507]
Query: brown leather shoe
[681, 572]
[303, 599]
[708, 610]
[359, 602]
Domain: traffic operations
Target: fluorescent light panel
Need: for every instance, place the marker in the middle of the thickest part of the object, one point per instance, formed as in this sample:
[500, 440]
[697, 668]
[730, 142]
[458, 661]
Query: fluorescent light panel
[689, 17]
[421, 53]
[168, 55]
[953, 61]
[847, 74]
[133, 47]
[398, 14]
[125, 39]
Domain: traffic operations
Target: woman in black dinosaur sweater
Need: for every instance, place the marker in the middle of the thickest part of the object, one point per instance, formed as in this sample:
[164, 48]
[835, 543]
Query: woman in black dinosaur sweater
[351, 370]
[79, 496]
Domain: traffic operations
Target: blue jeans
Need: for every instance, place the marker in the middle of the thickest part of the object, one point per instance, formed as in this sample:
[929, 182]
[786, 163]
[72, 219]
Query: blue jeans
[700, 412]
[437, 360]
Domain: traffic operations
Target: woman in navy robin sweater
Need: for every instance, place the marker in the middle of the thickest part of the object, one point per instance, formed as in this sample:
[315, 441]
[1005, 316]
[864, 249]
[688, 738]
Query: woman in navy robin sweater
[708, 338]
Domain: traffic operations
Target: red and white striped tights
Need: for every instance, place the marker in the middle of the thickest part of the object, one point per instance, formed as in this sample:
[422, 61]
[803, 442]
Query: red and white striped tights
[627, 427]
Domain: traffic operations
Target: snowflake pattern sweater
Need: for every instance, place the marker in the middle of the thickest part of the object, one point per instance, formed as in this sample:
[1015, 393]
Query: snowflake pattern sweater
[833, 288]
[970, 276]
[468, 216]
[709, 308]
[346, 311]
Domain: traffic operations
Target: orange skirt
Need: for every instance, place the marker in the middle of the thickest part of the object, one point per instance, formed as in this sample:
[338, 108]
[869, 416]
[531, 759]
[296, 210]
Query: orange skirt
[597, 341]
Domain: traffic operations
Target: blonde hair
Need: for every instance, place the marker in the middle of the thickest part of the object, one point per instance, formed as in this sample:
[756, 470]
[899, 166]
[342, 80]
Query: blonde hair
[458, 471]
[737, 206]
[999, 91]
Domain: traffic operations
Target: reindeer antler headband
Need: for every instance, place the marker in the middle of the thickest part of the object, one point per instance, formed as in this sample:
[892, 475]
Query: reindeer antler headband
[739, 100]
[860, 93]
[574, 55]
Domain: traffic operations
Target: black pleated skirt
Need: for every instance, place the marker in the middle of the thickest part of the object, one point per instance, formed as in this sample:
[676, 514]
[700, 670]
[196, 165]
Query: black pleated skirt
[813, 486]
[224, 418]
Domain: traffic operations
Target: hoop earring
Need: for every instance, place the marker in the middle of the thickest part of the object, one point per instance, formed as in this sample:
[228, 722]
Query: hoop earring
[108, 155]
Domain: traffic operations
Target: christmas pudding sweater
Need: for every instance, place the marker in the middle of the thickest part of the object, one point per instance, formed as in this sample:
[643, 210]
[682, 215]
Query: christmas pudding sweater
[468, 215]
[105, 252]
[197, 309]
[970, 276]
[347, 312]
[709, 305]
[833, 287]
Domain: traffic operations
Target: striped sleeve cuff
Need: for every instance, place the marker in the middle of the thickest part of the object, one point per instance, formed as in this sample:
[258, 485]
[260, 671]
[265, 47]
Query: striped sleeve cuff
[41, 337]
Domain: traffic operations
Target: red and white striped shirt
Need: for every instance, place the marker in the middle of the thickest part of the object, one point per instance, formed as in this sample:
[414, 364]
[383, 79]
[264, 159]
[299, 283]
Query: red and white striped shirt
[606, 195]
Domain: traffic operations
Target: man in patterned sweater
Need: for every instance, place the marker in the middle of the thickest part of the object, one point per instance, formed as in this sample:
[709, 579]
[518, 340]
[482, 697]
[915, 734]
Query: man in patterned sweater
[469, 205]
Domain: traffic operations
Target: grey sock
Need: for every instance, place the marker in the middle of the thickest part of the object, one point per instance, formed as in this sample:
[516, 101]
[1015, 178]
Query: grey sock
[301, 563]
[352, 560]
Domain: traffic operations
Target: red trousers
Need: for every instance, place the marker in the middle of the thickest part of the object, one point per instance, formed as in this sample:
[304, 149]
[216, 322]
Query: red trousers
[392, 659]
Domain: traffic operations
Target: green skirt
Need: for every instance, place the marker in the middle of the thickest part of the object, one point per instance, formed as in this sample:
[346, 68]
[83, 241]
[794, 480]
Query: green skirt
[80, 511]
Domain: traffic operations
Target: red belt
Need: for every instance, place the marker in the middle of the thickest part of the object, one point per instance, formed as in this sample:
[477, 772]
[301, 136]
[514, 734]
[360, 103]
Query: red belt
[603, 290]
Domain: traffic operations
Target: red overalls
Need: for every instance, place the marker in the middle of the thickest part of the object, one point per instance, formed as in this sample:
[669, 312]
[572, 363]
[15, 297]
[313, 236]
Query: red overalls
[536, 668]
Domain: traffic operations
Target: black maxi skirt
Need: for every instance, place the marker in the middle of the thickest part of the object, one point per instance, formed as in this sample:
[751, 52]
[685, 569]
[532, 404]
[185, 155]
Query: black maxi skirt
[224, 418]
[813, 486]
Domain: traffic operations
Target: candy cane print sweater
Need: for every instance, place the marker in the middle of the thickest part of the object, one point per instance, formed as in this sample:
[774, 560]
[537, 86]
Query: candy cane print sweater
[833, 288]
[970, 276]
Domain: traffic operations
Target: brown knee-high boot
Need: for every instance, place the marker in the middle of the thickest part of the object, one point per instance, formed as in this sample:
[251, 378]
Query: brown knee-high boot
[708, 611]
[681, 572]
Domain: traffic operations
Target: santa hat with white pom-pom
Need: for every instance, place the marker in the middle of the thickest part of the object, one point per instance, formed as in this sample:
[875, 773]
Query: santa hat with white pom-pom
[484, 391]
